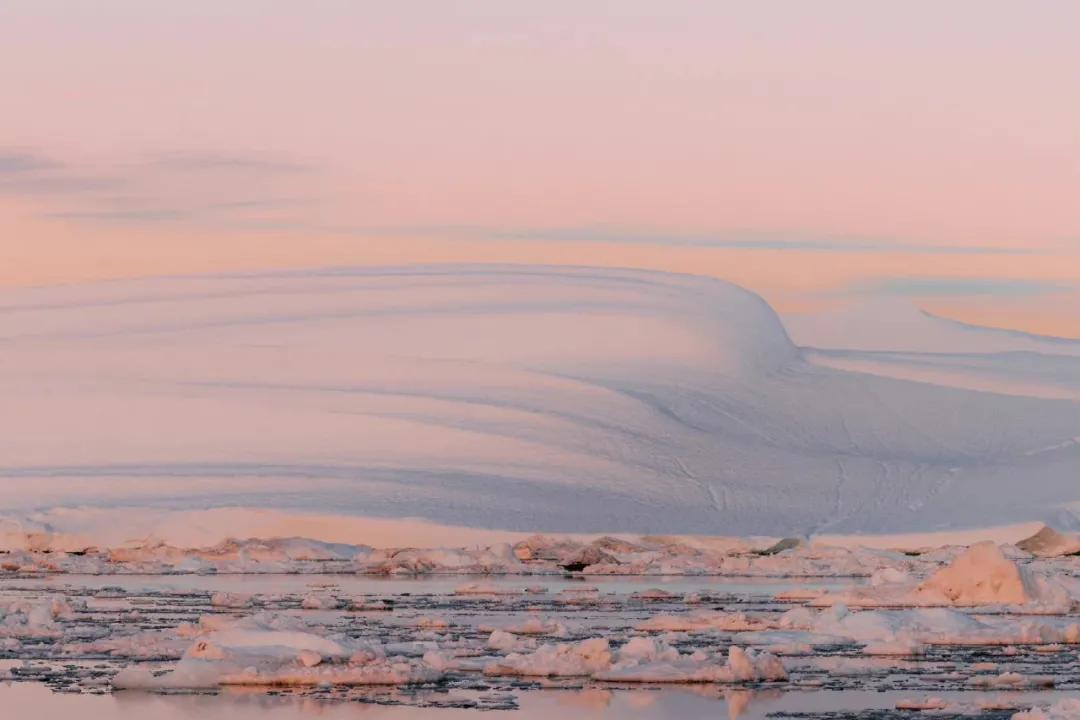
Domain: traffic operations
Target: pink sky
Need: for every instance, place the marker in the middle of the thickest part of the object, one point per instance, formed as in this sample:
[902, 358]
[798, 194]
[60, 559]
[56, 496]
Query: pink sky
[814, 152]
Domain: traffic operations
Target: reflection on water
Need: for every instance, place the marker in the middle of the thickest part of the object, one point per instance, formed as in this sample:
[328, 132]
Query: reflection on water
[32, 700]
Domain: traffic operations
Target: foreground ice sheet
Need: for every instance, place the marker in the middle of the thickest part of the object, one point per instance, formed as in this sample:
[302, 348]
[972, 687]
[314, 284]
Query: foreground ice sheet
[960, 630]
[516, 398]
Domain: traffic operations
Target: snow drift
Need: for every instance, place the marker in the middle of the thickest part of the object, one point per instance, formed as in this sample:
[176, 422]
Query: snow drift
[516, 398]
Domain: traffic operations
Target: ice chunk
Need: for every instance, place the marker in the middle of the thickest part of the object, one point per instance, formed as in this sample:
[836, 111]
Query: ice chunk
[583, 658]
[984, 576]
[1066, 709]
[1050, 543]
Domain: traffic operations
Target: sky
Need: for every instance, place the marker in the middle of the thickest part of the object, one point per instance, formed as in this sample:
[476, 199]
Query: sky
[822, 154]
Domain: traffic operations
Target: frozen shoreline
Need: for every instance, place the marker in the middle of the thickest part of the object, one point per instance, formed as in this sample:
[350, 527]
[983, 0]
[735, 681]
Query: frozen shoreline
[143, 541]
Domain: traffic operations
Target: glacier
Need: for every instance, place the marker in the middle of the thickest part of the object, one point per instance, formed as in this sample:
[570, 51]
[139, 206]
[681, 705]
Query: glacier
[525, 398]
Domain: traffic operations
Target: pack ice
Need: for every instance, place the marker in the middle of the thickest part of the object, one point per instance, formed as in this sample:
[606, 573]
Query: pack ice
[519, 398]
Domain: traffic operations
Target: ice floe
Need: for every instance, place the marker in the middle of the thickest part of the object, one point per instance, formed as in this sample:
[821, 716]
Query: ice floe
[979, 618]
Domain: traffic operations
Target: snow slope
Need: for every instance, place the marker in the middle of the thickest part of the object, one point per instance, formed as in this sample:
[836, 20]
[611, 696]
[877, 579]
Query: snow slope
[893, 338]
[515, 398]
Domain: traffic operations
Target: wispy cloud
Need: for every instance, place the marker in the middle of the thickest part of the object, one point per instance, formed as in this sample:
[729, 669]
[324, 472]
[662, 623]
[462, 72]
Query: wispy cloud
[745, 240]
[135, 211]
[136, 216]
[209, 161]
[961, 287]
[228, 190]
[56, 184]
[29, 173]
[751, 240]
[12, 163]
[209, 187]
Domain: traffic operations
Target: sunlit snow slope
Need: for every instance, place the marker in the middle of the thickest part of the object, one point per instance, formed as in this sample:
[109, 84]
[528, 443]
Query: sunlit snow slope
[550, 399]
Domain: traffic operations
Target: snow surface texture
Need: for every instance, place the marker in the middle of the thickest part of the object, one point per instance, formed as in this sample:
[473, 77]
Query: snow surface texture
[519, 398]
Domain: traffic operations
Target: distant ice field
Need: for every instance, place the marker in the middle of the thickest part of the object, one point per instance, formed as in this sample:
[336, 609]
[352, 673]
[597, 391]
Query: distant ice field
[527, 399]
